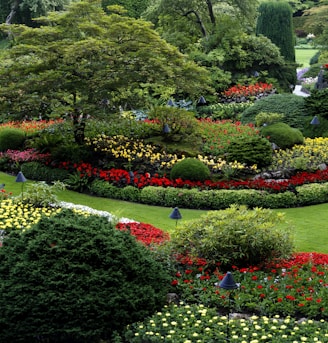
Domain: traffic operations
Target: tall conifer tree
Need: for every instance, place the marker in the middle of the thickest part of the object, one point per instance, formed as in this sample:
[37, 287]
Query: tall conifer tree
[275, 22]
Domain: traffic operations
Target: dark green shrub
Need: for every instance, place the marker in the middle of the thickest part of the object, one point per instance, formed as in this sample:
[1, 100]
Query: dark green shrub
[315, 58]
[190, 169]
[105, 189]
[250, 150]
[47, 141]
[11, 138]
[40, 172]
[283, 135]
[316, 103]
[275, 21]
[71, 152]
[235, 236]
[291, 105]
[72, 278]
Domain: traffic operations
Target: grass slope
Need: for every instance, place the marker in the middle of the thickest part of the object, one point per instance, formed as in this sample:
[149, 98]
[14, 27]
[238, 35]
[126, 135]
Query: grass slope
[311, 222]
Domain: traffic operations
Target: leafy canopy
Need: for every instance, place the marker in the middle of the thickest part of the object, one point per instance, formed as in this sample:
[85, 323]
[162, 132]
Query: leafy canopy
[83, 59]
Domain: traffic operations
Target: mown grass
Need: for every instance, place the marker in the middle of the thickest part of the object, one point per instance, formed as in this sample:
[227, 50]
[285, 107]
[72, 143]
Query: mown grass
[303, 56]
[310, 223]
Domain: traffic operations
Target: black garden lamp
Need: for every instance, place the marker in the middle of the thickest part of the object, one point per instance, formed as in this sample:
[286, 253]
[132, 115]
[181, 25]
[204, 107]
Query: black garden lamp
[175, 214]
[228, 283]
[21, 178]
[166, 129]
[170, 103]
[315, 121]
[201, 101]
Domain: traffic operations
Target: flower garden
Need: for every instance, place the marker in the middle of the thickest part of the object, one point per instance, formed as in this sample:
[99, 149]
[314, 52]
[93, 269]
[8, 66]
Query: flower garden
[281, 300]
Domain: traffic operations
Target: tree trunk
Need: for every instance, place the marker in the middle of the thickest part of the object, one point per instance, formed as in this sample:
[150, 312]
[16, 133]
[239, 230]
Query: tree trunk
[210, 11]
[13, 10]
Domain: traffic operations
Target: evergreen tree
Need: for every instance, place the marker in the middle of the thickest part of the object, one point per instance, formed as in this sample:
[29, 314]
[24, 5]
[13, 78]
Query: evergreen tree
[275, 22]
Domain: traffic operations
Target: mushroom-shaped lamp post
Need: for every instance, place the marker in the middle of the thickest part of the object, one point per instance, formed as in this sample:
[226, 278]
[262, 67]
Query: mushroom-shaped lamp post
[229, 284]
[175, 214]
[21, 178]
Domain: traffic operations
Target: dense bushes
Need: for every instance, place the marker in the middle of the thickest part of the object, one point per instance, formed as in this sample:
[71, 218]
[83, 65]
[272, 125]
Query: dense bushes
[251, 150]
[73, 278]
[40, 172]
[283, 135]
[291, 105]
[11, 138]
[235, 236]
[190, 169]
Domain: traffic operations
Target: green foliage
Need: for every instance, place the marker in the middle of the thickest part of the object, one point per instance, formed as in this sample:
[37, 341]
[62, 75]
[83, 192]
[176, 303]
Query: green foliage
[137, 129]
[265, 118]
[221, 111]
[316, 103]
[290, 105]
[41, 194]
[47, 142]
[283, 135]
[311, 194]
[153, 195]
[190, 169]
[181, 122]
[130, 193]
[88, 277]
[104, 189]
[250, 150]
[235, 236]
[11, 138]
[68, 74]
[275, 22]
[77, 181]
[40, 172]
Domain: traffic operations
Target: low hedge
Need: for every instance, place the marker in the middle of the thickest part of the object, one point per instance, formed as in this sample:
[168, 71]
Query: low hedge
[308, 194]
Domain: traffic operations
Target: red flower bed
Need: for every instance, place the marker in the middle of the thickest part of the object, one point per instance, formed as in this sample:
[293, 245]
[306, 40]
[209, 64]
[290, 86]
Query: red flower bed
[144, 233]
[121, 178]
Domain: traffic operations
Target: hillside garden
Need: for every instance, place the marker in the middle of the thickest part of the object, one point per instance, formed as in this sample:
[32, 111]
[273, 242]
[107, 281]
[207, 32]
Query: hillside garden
[239, 151]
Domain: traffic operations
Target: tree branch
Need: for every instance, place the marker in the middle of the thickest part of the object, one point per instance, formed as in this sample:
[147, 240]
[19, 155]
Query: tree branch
[198, 21]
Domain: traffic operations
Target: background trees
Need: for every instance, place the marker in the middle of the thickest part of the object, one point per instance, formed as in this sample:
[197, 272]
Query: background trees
[22, 11]
[82, 61]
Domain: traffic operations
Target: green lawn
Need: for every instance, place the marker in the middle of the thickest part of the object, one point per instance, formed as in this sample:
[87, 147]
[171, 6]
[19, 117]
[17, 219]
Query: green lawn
[311, 222]
[303, 56]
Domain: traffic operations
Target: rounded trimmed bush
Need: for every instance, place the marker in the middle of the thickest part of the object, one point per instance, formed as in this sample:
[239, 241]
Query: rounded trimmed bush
[75, 278]
[235, 236]
[283, 135]
[11, 139]
[190, 169]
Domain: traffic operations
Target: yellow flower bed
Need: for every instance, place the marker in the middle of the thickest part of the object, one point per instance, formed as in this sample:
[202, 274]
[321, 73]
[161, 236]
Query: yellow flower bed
[304, 157]
[22, 216]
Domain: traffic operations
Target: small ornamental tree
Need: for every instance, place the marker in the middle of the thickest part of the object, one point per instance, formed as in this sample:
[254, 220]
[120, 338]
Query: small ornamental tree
[75, 278]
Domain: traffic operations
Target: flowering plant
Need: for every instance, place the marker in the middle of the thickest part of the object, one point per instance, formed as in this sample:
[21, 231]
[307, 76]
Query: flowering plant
[241, 93]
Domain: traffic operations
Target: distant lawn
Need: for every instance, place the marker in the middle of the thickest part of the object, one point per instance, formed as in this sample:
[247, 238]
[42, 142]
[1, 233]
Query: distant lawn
[311, 222]
[303, 56]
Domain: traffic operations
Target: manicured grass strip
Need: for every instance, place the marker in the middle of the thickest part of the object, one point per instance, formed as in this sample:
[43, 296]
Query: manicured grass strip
[311, 228]
[303, 56]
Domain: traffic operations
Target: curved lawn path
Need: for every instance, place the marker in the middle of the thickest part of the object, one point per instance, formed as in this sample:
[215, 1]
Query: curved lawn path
[311, 222]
